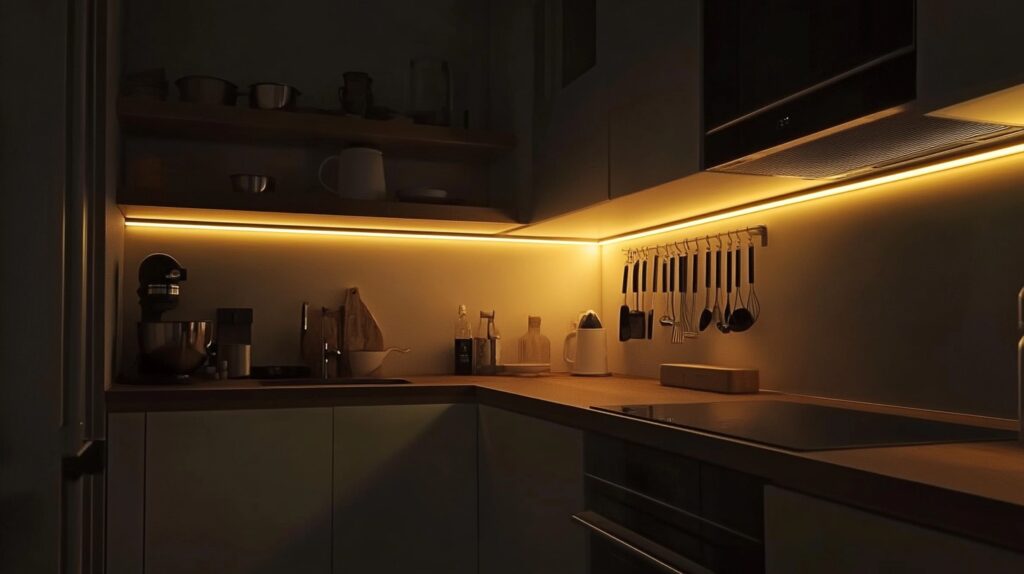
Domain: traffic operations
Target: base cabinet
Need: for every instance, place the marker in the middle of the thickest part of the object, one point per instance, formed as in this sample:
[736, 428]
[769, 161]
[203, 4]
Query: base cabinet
[238, 491]
[531, 482]
[810, 535]
[405, 497]
[384, 489]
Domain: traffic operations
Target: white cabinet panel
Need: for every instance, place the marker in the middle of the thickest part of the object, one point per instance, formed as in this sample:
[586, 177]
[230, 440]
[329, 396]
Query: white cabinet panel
[405, 497]
[809, 535]
[531, 482]
[238, 491]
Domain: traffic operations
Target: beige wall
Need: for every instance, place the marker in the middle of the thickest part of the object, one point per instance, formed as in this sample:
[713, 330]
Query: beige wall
[413, 287]
[902, 294]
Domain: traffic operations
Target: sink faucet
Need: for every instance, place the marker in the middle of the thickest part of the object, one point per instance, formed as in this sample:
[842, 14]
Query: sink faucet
[328, 353]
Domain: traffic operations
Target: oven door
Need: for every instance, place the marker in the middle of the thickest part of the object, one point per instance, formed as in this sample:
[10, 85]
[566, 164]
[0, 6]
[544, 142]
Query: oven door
[615, 549]
[632, 531]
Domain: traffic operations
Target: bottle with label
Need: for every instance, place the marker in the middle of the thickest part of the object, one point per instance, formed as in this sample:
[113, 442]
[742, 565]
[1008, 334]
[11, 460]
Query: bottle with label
[484, 343]
[463, 344]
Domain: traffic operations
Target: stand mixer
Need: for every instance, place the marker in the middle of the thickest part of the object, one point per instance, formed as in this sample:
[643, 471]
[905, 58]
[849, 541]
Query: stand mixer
[168, 348]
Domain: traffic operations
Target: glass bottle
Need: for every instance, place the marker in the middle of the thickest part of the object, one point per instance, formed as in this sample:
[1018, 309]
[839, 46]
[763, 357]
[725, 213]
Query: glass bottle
[533, 346]
[484, 351]
[463, 344]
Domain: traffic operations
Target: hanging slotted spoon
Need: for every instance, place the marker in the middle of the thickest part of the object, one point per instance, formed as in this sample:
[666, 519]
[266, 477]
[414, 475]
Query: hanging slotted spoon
[668, 285]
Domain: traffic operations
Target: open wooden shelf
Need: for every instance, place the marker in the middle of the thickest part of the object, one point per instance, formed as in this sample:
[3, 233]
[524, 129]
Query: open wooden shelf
[310, 209]
[242, 124]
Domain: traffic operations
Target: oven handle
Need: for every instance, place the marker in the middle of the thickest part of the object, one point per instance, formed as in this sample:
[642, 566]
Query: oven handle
[650, 551]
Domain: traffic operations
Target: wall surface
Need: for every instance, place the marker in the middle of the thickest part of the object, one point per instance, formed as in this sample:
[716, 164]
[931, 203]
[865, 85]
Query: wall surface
[413, 288]
[901, 294]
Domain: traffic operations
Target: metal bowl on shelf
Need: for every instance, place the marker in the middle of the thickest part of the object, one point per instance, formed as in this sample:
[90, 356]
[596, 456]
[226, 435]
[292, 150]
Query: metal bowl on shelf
[173, 347]
[272, 96]
[207, 90]
[252, 183]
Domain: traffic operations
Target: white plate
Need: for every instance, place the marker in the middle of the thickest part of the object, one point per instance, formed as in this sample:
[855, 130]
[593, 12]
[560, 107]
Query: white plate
[525, 369]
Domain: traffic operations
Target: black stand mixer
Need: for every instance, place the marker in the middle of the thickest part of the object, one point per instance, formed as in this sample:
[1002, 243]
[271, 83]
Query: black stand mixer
[167, 348]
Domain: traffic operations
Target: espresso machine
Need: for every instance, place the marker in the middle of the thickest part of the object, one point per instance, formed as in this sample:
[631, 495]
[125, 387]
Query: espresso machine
[172, 349]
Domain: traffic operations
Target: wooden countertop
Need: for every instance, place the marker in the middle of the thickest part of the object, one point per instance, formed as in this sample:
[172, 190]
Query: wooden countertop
[971, 489]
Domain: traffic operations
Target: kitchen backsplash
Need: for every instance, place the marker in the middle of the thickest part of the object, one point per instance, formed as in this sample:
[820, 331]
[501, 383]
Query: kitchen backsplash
[413, 288]
[901, 294]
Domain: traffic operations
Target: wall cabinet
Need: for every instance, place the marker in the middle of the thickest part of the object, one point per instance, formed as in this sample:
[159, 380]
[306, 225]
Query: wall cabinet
[804, 534]
[405, 497]
[531, 482]
[570, 112]
[238, 491]
[653, 50]
[630, 120]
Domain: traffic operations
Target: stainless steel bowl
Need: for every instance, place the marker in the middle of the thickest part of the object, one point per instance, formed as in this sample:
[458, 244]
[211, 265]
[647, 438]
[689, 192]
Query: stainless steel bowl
[252, 183]
[173, 347]
[271, 96]
[207, 90]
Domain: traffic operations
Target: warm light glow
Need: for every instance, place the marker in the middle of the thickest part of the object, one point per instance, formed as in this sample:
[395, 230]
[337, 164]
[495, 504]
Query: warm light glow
[826, 192]
[801, 197]
[352, 233]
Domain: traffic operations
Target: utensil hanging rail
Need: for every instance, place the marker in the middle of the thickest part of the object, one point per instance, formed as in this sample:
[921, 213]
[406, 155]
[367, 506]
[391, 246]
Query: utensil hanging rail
[760, 231]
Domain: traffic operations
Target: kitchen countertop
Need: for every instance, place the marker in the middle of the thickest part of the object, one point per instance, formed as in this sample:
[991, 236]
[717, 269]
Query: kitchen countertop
[972, 489]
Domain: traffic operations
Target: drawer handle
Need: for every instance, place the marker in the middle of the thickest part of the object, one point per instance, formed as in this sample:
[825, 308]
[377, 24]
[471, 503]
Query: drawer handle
[652, 552]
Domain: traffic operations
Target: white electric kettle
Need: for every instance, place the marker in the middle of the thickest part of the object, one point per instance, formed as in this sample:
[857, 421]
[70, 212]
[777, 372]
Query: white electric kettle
[591, 356]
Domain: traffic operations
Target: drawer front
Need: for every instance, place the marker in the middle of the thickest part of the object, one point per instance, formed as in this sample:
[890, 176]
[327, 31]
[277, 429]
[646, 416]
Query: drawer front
[670, 478]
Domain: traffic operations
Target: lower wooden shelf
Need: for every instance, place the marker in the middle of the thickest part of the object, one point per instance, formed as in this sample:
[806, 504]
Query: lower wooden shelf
[311, 210]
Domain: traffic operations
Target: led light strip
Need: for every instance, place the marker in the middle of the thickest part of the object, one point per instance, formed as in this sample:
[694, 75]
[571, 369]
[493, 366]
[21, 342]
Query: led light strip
[352, 232]
[799, 197]
[821, 193]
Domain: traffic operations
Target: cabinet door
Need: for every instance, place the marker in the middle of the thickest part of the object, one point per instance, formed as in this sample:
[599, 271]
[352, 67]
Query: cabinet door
[804, 534]
[531, 482]
[405, 496]
[967, 49]
[238, 491]
[571, 112]
[653, 52]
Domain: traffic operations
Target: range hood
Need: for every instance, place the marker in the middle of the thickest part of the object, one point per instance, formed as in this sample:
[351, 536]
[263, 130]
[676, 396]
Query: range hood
[856, 86]
[896, 139]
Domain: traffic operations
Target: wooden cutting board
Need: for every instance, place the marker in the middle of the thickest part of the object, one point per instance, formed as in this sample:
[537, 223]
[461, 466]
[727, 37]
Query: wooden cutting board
[360, 330]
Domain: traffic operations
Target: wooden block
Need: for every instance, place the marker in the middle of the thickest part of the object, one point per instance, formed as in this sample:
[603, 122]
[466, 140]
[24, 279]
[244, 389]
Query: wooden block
[710, 378]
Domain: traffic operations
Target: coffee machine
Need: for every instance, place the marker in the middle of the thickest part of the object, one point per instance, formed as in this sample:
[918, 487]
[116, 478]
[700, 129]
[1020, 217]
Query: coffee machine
[167, 348]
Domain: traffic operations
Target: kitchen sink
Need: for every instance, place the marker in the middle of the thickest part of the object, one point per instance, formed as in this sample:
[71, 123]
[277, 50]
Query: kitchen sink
[331, 382]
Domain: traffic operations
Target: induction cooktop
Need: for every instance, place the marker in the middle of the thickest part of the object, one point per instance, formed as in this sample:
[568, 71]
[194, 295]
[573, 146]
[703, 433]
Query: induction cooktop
[808, 427]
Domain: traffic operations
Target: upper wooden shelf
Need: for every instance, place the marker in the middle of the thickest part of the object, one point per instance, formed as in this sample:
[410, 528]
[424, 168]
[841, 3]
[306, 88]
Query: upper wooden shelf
[229, 123]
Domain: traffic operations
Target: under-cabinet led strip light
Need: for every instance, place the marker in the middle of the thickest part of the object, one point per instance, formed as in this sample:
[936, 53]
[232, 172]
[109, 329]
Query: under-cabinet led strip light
[353, 232]
[813, 194]
[799, 197]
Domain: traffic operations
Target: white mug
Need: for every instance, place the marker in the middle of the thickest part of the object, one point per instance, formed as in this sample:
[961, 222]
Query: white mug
[360, 173]
[591, 352]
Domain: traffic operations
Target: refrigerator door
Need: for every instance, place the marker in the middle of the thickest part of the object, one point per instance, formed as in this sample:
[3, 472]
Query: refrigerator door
[53, 257]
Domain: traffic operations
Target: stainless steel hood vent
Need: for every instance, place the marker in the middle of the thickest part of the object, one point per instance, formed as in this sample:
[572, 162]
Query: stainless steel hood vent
[882, 143]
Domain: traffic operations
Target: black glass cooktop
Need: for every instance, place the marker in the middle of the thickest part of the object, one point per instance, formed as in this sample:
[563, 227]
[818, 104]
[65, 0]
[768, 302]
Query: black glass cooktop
[801, 426]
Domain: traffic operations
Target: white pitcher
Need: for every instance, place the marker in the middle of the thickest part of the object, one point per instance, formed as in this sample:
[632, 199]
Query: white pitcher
[360, 173]
[591, 357]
